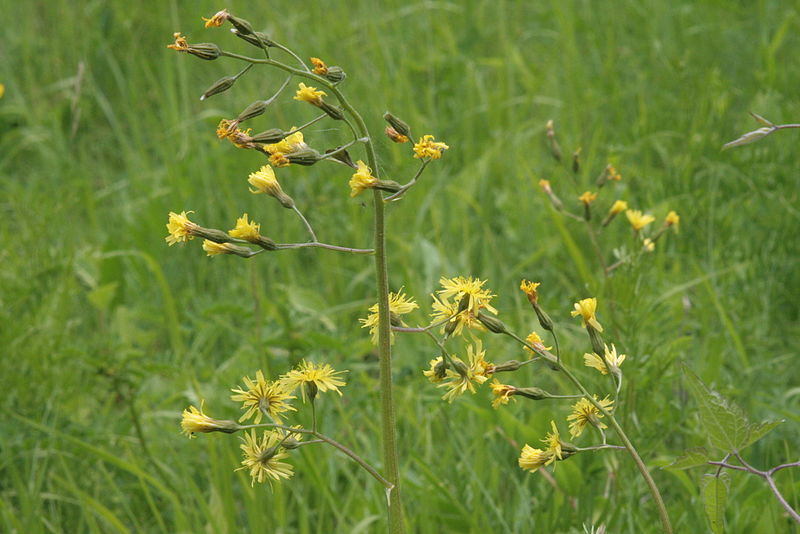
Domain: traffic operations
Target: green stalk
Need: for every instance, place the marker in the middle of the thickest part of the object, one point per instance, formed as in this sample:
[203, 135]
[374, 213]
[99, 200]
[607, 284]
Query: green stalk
[388, 420]
[651, 484]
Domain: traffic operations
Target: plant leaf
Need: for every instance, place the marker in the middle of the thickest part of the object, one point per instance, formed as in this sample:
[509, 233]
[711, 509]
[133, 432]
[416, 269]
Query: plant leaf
[761, 119]
[758, 431]
[715, 495]
[725, 423]
[691, 458]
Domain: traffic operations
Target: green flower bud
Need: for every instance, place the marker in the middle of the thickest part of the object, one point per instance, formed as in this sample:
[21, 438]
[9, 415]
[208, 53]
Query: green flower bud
[401, 127]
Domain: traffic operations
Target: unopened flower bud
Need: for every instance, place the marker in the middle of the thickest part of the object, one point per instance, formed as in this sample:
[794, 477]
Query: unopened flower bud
[271, 136]
[305, 156]
[206, 51]
[460, 367]
[532, 393]
[401, 127]
[220, 86]
[576, 161]
[544, 319]
[258, 39]
[291, 443]
[555, 149]
[597, 342]
[395, 136]
[241, 25]
[253, 110]
[335, 74]
[510, 365]
[492, 323]
[343, 157]
[332, 111]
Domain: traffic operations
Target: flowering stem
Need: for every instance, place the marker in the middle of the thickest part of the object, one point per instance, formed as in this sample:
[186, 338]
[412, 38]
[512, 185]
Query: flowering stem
[306, 223]
[330, 441]
[388, 422]
[342, 148]
[662, 509]
[410, 183]
[286, 246]
[600, 447]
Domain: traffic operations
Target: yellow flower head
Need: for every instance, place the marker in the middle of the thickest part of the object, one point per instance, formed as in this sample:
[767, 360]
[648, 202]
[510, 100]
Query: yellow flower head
[457, 383]
[2, 90]
[321, 377]
[535, 340]
[279, 159]
[180, 227]
[262, 457]
[288, 145]
[362, 179]
[262, 396]
[180, 43]
[529, 288]
[194, 420]
[264, 181]
[217, 20]
[587, 198]
[247, 230]
[673, 219]
[502, 393]
[478, 366]
[587, 308]
[465, 295]
[637, 220]
[225, 128]
[609, 360]
[462, 379]
[613, 174]
[545, 185]
[584, 412]
[215, 249]
[648, 244]
[553, 441]
[618, 207]
[399, 305]
[428, 148]
[309, 94]
[395, 136]
[320, 68]
[531, 459]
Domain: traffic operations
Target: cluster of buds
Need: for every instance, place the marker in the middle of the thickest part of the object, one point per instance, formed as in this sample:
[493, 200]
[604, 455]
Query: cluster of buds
[589, 199]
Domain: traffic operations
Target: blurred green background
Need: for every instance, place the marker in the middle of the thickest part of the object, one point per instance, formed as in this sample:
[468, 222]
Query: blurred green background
[107, 333]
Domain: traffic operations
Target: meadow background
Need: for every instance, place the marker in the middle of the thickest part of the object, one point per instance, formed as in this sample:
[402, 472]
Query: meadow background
[107, 333]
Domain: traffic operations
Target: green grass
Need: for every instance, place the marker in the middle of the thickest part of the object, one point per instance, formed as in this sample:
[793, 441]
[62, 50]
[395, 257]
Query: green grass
[105, 328]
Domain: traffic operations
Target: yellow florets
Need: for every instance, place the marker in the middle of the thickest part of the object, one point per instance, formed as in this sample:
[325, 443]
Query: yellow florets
[428, 148]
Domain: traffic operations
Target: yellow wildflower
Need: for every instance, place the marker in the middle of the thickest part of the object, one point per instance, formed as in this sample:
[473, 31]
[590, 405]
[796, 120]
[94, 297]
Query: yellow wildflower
[2, 90]
[545, 184]
[618, 207]
[587, 308]
[194, 420]
[535, 340]
[289, 144]
[637, 220]
[320, 68]
[247, 230]
[584, 412]
[180, 227]
[262, 457]
[648, 244]
[399, 305]
[458, 289]
[279, 159]
[587, 198]
[502, 393]
[553, 441]
[362, 179]
[610, 359]
[216, 20]
[264, 181]
[395, 136]
[180, 44]
[435, 374]
[309, 94]
[529, 288]
[262, 396]
[673, 219]
[613, 174]
[428, 148]
[215, 249]
[323, 377]
[531, 459]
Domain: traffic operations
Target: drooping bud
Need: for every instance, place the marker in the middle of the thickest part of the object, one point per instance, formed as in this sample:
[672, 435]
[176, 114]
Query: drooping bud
[223, 84]
[510, 365]
[555, 149]
[335, 74]
[253, 110]
[258, 39]
[241, 25]
[271, 136]
[401, 127]
[206, 51]
[532, 393]
[576, 161]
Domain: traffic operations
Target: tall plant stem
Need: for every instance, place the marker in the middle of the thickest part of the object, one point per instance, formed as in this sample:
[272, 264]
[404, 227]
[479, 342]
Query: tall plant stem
[388, 420]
